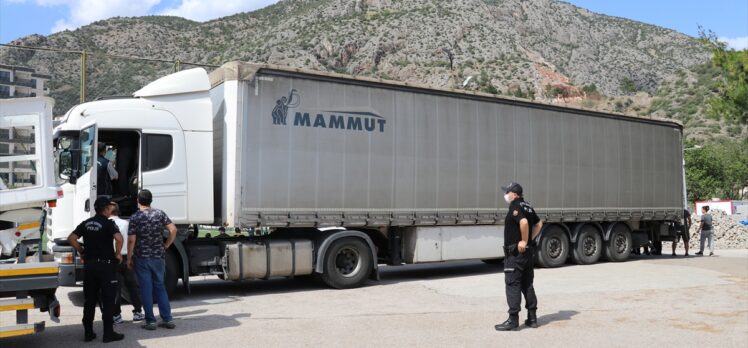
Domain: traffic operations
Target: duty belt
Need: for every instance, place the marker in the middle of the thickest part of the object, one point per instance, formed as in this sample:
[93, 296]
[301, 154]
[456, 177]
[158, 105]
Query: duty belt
[100, 261]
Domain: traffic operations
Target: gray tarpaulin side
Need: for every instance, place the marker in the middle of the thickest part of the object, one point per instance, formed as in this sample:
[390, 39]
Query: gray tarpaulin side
[245, 71]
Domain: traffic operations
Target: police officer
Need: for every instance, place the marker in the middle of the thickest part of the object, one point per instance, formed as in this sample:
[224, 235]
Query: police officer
[521, 227]
[100, 261]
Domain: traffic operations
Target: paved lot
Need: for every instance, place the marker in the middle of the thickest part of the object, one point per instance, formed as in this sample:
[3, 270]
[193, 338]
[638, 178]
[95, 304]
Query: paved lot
[693, 302]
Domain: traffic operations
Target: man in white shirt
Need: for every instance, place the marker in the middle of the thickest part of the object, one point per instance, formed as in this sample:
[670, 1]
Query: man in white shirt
[126, 277]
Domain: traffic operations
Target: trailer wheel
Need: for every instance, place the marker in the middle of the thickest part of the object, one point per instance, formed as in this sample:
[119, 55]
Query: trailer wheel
[171, 276]
[347, 263]
[554, 248]
[589, 246]
[618, 246]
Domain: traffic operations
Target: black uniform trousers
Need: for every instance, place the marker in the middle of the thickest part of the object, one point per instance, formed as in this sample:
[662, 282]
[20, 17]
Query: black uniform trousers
[99, 279]
[519, 274]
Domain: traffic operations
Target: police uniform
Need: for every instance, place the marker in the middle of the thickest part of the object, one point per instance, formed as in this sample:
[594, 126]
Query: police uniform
[100, 270]
[519, 267]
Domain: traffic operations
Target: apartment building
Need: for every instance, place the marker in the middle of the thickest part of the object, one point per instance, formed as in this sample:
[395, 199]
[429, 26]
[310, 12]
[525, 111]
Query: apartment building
[20, 82]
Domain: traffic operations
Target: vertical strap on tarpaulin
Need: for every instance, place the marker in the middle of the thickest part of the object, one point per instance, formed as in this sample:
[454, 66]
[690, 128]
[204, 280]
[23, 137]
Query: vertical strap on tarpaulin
[241, 260]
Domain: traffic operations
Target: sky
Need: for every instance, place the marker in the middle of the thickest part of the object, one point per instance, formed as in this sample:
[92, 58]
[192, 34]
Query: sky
[18, 18]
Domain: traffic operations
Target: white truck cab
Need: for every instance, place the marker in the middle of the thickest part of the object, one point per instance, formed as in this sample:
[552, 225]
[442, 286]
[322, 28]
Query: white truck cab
[148, 137]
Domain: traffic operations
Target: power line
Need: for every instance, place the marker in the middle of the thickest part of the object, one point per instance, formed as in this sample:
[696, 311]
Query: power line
[50, 49]
[83, 61]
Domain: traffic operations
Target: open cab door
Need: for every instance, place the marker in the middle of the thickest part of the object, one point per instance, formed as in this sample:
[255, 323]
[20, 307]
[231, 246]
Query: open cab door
[85, 179]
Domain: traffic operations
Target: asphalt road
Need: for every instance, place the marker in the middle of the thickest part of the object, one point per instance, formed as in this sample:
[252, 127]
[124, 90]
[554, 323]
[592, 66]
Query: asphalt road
[647, 301]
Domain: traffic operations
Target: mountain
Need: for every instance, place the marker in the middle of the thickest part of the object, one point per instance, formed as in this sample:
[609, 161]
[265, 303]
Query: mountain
[537, 49]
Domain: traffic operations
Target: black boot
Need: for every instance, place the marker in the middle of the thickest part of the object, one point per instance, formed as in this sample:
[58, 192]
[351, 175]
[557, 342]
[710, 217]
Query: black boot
[89, 336]
[532, 319]
[88, 332]
[113, 337]
[510, 324]
[110, 335]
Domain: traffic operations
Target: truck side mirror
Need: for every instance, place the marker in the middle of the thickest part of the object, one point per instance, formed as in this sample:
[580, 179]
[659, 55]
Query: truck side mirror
[65, 165]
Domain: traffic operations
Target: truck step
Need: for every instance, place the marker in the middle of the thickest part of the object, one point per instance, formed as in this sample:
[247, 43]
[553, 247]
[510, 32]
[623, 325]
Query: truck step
[21, 329]
[16, 304]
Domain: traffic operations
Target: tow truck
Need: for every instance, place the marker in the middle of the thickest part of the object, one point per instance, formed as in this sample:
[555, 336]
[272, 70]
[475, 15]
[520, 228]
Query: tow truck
[29, 278]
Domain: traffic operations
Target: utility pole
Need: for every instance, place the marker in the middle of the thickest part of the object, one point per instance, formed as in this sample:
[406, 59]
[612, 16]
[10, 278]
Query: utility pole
[83, 76]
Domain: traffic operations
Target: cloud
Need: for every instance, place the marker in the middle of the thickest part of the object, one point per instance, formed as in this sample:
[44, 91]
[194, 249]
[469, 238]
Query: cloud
[204, 10]
[737, 43]
[83, 12]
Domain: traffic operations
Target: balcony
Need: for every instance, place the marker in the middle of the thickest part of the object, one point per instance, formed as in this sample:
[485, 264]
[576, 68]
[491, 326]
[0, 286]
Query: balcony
[25, 82]
[24, 95]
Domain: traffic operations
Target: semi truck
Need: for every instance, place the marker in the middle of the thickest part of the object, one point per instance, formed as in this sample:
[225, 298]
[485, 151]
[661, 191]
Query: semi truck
[27, 186]
[347, 173]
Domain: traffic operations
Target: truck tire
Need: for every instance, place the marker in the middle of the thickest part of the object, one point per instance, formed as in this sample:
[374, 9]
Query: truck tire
[171, 276]
[618, 246]
[347, 264]
[554, 248]
[589, 246]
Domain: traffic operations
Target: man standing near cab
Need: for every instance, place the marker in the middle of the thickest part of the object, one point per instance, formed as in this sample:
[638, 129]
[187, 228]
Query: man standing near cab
[125, 276]
[146, 252]
[100, 260]
[521, 227]
[105, 173]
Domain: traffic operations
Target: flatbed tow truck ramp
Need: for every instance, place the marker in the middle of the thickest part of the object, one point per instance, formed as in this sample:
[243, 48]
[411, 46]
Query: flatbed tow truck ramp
[28, 278]
[24, 287]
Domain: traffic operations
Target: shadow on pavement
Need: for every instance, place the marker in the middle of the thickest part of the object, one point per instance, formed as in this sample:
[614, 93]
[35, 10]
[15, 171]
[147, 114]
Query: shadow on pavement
[406, 273]
[558, 316]
[72, 335]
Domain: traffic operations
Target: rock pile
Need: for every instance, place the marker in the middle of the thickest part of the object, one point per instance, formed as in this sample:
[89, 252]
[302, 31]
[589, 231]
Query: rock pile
[728, 232]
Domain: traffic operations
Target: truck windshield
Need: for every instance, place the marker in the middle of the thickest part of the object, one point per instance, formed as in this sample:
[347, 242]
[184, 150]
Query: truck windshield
[66, 144]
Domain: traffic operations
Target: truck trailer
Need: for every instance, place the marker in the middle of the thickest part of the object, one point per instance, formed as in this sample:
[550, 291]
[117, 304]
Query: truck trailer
[350, 172]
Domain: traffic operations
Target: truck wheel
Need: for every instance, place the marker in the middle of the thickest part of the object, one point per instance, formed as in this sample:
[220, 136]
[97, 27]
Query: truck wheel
[171, 277]
[554, 248]
[347, 263]
[588, 248]
[618, 246]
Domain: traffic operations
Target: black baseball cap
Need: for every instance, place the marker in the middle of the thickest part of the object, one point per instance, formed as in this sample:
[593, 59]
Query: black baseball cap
[145, 197]
[513, 187]
[101, 203]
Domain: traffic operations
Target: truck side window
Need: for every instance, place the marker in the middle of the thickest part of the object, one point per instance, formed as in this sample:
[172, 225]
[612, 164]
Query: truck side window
[157, 151]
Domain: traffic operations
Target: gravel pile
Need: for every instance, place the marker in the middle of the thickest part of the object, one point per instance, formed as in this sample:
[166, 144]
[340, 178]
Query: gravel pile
[728, 232]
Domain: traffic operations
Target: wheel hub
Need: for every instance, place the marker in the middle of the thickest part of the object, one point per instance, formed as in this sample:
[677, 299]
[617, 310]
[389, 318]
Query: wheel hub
[589, 246]
[348, 261]
[620, 243]
[554, 248]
